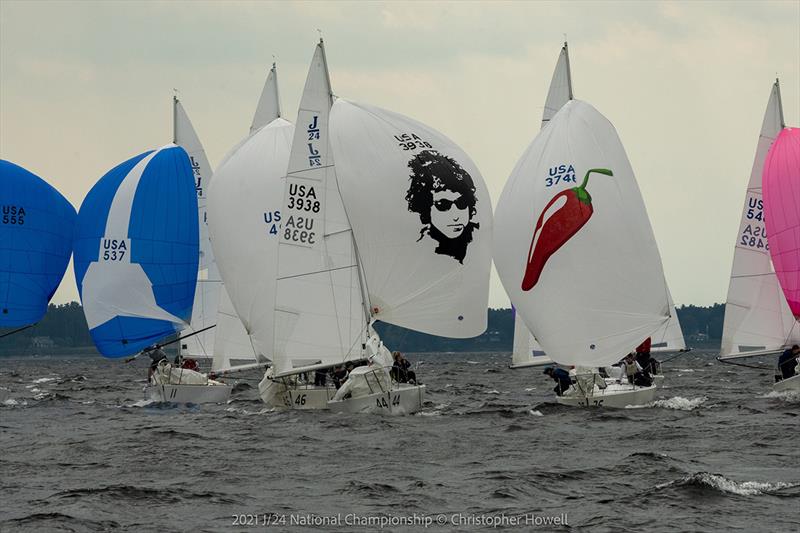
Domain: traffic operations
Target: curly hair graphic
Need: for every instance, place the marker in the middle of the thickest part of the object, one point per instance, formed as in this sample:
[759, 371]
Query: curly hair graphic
[433, 172]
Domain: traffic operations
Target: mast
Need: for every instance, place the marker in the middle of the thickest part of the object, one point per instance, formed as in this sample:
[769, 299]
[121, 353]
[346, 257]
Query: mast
[274, 71]
[569, 72]
[175, 117]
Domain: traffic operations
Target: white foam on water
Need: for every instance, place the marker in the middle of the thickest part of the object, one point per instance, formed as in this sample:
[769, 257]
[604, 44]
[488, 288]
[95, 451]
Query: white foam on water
[723, 484]
[428, 413]
[535, 412]
[685, 370]
[679, 403]
[140, 403]
[493, 391]
[10, 402]
[788, 395]
[43, 380]
[529, 389]
[473, 362]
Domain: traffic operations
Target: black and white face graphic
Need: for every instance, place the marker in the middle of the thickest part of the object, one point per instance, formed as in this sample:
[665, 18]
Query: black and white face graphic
[443, 195]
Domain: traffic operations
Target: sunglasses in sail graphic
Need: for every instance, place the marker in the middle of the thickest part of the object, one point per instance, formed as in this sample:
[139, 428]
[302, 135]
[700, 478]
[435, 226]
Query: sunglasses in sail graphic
[557, 223]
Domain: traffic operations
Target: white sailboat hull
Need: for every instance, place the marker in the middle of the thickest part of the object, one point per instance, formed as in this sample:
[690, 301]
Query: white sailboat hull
[788, 384]
[304, 397]
[617, 396]
[403, 400]
[219, 393]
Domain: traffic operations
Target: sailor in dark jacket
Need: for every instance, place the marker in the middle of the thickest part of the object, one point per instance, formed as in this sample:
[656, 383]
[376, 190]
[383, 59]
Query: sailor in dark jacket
[561, 377]
[788, 360]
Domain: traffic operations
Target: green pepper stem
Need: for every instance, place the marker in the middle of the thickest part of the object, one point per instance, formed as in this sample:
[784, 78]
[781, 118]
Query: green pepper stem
[599, 171]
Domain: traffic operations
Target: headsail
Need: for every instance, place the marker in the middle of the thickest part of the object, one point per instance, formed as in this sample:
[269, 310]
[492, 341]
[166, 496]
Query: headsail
[669, 338]
[269, 105]
[573, 243]
[136, 251]
[782, 211]
[421, 217]
[36, 225]
[526, 350]
[757, 317]
[320, 313]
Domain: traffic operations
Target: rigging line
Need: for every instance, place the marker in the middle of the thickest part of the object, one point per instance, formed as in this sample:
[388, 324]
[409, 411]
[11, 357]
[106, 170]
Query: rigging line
[679, 354]
[316, 272]
[158, 346]
[23, 328]
[729, 362]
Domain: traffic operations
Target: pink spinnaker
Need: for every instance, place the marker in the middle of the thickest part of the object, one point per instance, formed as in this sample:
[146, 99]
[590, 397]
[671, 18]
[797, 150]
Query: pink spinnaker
[781, 188]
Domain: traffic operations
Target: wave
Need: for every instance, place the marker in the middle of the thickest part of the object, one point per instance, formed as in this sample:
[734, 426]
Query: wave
[12, 402]
[43, 380]
[719, 484]
[788, 395]
[535, 412]
[678, 403]
[41, 519]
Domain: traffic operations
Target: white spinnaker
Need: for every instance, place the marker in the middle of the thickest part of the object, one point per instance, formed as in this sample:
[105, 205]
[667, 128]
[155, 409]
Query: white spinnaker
[560, 91]
[269, 104]
[603, 291]
[320, 314]
[757, 317]
[412, 283]
[244, 221]
[206, 296]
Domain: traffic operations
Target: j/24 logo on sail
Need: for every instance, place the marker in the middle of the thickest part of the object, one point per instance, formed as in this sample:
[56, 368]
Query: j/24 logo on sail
[13, 215]
[114, 249]
[559, 173]
[272, 219]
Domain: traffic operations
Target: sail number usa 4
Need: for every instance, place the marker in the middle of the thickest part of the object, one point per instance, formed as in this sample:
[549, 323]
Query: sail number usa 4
[302, 223]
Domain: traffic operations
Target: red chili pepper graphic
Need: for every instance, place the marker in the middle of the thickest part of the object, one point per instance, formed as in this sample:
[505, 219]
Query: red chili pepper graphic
[561, 224]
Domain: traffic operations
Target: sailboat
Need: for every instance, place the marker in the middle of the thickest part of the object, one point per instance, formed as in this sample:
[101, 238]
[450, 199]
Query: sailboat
[383, 218]
[244, 219]
[36, 225]
[758, 319]
[136, 262]
[527, 352]
[576, 253]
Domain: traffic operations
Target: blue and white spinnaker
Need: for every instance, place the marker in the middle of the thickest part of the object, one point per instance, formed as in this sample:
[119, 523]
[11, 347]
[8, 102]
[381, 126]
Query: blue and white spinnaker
[136, 251]
[36, 225]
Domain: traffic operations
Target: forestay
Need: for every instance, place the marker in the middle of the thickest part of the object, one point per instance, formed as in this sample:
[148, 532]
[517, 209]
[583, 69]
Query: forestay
[320, 315]
[573, 243]
[209, 284]
[782, 211]
[136, 251]
[757, 317]
[422, 220]
[244, 210]
[36, 225]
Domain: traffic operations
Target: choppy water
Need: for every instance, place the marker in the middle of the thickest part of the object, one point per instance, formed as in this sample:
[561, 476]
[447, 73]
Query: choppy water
[81, 451]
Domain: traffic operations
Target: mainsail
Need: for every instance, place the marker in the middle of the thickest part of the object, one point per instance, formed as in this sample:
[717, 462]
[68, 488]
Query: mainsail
[757, 318]
[136, 251]
[244, 208]
[36, 225]
[321, 317]
[573, 243]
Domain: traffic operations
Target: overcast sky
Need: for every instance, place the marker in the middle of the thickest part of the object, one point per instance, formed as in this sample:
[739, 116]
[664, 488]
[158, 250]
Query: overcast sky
[86, 85]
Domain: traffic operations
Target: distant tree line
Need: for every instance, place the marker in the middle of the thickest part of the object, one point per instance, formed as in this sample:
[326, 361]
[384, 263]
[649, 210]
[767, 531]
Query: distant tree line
[64, 326]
